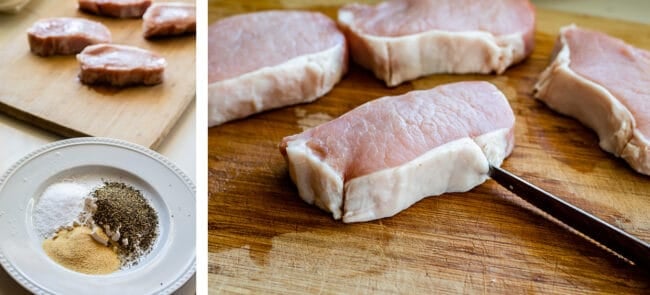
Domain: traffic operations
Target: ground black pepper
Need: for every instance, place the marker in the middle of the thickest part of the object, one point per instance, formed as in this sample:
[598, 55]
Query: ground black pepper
[126, 216]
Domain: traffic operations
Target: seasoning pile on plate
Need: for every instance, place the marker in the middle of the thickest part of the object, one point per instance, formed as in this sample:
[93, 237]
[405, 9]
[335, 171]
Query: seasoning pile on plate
[61, 206]
[95, 231]
[77, 250]
[127, 218]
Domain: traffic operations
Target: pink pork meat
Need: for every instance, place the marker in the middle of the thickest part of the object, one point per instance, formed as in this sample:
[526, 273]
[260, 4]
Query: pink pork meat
[387, 154]
[605, 84]
[169, 19]
[401, 40]
[120, 65]
[65, 35]
[267, 60]
[115, 8]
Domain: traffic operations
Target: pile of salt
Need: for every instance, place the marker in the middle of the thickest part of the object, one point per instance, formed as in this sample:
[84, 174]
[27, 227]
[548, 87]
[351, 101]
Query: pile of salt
[60, 205]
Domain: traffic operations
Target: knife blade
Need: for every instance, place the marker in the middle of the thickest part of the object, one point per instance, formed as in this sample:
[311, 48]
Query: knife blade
[614, 238]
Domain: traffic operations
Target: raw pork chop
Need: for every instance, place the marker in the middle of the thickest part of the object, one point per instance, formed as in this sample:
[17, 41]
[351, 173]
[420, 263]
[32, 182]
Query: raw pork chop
[267, 60]
[605, 84]
[115, 8]
[65, 35]
[387, 154]
[167, 19]
[120, 65]
[401, 40]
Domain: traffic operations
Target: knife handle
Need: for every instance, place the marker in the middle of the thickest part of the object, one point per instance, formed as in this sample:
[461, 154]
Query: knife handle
[600, 231]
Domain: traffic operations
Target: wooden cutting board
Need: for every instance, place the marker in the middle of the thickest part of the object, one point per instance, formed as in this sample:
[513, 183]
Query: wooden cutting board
[264, 239]
[46, 91]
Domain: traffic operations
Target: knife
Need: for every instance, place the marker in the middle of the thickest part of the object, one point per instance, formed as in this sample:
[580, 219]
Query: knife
[614, 238]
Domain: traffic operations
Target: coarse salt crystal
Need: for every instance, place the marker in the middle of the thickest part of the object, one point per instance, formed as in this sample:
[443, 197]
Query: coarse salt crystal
[60, 205]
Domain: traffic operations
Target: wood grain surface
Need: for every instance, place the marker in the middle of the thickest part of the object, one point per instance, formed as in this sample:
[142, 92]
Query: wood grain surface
[264, 239]
[46, 91]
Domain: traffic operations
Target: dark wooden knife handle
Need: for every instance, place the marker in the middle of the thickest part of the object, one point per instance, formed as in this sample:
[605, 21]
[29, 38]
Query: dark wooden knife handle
[600, 231]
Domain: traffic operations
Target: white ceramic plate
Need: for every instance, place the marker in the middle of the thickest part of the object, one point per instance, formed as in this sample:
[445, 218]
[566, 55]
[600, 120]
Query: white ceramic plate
[91, 160]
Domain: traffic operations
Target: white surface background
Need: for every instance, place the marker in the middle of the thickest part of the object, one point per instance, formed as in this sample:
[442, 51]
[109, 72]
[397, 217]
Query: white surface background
[18, 138]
